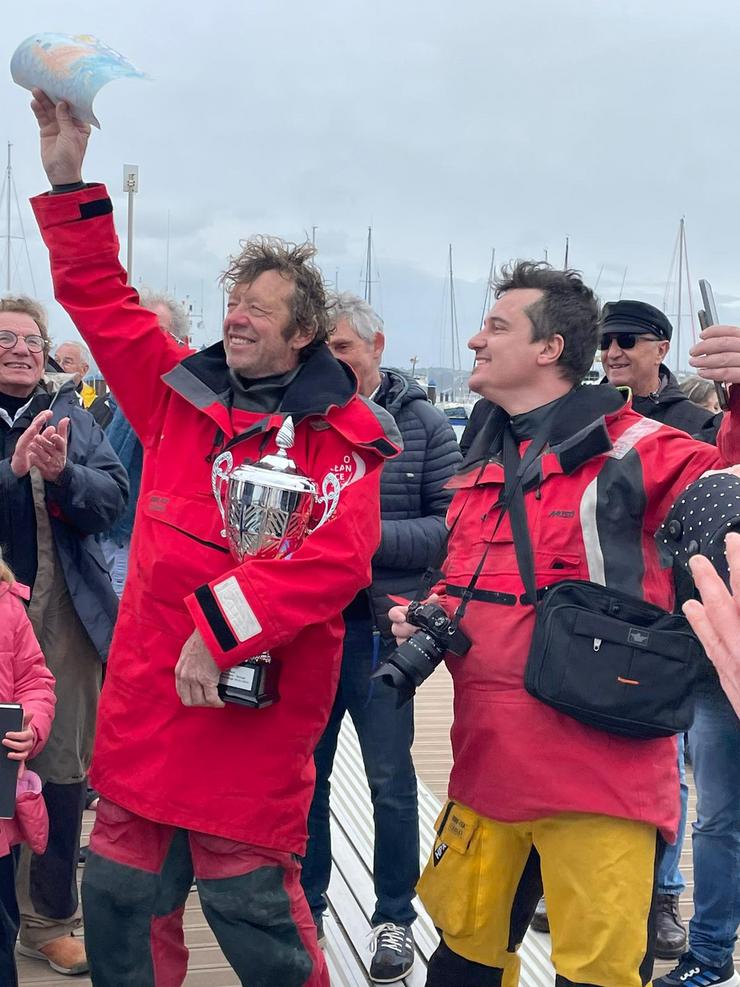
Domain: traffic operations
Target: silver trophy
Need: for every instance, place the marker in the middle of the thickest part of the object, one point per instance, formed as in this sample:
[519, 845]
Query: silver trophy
[267, 509]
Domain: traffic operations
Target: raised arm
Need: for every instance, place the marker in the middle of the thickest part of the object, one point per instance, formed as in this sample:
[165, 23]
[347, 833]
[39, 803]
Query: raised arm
[77, 226]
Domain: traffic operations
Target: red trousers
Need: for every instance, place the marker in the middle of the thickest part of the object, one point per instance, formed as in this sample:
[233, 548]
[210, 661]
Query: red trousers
[137, 879]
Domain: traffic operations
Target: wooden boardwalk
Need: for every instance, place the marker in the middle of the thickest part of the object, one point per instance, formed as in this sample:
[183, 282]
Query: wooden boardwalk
[351, 893]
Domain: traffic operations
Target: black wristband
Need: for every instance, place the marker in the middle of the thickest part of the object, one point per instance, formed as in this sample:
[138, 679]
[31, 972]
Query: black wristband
[70, 187]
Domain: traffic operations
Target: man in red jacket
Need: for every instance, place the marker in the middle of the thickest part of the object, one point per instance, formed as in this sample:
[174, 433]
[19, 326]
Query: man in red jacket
[537, 797]
[188, 784]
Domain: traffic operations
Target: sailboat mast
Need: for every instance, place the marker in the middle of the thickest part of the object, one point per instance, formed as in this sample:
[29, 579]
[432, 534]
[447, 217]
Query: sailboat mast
[680, 288]
[489, 285]
[8, 182]
[368, 272]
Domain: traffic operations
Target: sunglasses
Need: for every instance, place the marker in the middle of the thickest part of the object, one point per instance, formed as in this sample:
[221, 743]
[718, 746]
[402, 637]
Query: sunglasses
[625, 340]
[8, 339]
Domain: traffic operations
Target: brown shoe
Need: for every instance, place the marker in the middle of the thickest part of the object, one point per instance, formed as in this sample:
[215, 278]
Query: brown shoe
[65, 955]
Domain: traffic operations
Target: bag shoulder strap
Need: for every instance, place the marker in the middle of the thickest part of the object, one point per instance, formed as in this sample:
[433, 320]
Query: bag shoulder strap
[513, 468]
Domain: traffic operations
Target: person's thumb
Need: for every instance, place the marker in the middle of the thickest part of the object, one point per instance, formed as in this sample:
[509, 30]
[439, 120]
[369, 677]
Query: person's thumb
[63, 428]
[27, 717]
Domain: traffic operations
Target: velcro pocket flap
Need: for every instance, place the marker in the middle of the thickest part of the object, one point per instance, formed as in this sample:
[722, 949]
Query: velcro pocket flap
[458, 826]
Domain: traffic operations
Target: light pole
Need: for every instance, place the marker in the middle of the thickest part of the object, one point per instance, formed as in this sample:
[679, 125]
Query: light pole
[131, 186]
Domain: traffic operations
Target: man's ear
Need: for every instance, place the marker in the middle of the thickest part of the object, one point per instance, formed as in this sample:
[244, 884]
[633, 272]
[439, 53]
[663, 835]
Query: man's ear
[662, 349]
[551, 349]
[378, 345]
[302, 337]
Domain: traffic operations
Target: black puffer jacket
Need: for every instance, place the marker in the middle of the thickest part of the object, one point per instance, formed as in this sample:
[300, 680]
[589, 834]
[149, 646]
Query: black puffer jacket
[91, 493]
[413, 502]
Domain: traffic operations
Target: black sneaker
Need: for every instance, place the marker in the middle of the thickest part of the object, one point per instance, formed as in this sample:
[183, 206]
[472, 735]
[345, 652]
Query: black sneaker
[691, 972]
[540, 922]
[670, 932]
[393, 946]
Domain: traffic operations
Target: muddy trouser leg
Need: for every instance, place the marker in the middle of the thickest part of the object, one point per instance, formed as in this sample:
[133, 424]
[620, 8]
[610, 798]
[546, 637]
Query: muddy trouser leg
[253, 900]
[134, 890]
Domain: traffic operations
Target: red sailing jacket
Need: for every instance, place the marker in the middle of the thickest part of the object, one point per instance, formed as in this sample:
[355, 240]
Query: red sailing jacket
[239, 773]
[593, 504]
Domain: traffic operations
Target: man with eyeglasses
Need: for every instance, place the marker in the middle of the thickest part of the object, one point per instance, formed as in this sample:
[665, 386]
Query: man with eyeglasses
[60, 485]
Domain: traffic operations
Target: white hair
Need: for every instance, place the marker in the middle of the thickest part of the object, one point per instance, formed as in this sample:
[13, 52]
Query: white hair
[83, 351]
[361, 316]
[180, 322]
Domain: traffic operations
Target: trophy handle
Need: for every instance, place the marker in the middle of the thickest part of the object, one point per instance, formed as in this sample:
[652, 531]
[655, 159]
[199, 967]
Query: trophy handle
[329, 497]
[222, 466]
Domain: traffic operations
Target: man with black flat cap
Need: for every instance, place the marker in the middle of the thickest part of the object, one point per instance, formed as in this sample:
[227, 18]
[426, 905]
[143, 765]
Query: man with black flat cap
[635, 339]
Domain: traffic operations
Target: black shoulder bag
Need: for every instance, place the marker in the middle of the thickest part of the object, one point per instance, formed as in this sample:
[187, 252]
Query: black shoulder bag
[606, 658]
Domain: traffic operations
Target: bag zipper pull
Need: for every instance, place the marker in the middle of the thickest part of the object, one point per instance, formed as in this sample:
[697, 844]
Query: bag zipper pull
[597, 643]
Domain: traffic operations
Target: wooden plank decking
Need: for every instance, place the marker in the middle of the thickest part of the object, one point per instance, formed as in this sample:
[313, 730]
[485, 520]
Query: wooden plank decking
[351, 894]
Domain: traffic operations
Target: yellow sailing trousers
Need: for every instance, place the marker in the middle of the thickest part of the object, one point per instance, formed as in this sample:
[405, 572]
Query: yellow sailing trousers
[482, 882]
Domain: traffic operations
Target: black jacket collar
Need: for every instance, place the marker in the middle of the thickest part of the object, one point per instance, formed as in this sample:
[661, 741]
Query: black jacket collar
[203, 379]
[578, 429]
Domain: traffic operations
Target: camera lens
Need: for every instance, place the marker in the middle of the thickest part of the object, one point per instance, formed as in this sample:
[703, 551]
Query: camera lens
[410, 664]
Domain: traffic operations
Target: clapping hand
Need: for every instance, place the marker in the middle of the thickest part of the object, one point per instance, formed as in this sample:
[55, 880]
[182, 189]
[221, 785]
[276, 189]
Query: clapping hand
[42, 446]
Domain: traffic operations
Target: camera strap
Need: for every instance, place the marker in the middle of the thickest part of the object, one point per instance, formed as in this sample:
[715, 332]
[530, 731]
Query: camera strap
[512, 501]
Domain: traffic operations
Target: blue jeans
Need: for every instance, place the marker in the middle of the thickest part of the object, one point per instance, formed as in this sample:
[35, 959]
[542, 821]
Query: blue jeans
[385, 734]
[670, 880]
[715, 749]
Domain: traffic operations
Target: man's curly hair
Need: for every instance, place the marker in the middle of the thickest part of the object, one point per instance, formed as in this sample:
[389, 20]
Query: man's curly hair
[294, 262]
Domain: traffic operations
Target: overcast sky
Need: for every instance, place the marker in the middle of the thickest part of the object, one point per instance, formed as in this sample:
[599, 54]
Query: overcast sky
[474, 122]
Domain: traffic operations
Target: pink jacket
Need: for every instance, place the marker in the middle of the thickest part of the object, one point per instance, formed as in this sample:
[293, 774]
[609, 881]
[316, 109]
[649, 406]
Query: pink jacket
[25, 679]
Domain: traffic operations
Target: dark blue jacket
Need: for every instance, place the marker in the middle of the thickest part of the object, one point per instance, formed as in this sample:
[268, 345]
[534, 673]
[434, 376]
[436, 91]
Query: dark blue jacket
[91, 492]
[413, 501]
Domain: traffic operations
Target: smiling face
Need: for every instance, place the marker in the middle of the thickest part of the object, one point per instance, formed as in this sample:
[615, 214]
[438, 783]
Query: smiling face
[20, 368]
[260, 338]
[638, 367]
[506, 359]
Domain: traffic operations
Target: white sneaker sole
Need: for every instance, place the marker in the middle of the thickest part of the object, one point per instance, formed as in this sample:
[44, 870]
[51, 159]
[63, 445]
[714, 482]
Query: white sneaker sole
[393, 980]
[36, 954]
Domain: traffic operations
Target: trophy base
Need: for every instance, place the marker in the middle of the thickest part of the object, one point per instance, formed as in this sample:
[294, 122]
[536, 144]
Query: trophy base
[252, 683]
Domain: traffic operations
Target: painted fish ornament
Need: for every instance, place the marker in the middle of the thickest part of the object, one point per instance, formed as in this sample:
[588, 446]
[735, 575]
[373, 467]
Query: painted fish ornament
[69, 67]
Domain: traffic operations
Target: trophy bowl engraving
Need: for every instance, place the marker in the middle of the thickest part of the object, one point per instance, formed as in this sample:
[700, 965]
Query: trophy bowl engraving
[267, 509]
[265, 522]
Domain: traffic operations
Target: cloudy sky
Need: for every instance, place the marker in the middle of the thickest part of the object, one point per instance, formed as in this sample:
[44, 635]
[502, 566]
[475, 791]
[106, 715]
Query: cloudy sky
[475, 122]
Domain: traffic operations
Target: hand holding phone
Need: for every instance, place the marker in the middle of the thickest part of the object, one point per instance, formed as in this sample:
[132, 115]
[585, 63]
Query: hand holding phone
[708, 317]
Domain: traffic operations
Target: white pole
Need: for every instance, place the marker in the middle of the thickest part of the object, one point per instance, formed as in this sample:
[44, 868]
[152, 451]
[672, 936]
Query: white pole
[8, 182]
[131, 186]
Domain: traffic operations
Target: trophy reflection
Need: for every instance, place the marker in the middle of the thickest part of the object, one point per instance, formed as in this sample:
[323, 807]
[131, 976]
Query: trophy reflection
[266, 509]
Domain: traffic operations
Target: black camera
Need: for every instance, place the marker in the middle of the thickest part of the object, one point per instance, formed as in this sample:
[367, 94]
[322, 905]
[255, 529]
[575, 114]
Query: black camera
[415, 660]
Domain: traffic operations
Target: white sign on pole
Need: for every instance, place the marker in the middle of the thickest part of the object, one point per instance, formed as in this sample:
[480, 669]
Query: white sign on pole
[130, 178]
